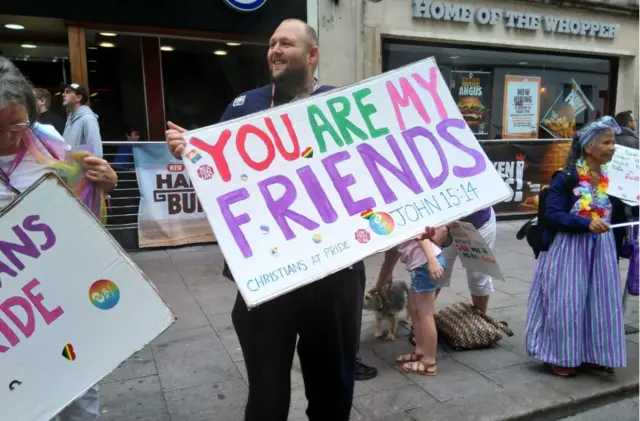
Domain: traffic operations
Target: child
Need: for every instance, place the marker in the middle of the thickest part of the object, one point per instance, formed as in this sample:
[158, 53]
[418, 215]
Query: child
[426, 267]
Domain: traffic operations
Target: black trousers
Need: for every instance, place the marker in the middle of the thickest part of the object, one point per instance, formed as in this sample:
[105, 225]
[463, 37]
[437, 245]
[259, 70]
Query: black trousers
[326, 317]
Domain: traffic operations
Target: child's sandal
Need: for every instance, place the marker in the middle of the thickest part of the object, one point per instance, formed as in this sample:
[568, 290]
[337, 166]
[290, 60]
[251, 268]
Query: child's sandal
[420, 367]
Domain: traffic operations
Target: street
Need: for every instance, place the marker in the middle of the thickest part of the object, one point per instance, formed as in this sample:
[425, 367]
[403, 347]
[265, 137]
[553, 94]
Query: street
[195, 370]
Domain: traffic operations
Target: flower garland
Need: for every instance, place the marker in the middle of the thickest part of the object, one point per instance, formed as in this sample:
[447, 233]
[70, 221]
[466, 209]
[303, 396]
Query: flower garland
[588, 206]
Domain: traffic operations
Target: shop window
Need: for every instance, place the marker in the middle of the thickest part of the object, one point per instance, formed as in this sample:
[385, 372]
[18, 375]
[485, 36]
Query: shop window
[201, 77]
[536, 95]
[116, 84]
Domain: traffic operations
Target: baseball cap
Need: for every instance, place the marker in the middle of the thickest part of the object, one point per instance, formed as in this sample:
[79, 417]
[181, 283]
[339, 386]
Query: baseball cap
[78, 89]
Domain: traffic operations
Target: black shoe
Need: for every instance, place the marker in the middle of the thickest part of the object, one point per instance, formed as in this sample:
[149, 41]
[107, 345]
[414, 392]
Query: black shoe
[364, 372]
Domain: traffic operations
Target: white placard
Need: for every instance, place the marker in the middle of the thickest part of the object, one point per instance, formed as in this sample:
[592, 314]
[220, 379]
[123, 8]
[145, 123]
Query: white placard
[475, 254]
[303, 190]
[624, 175]
[73, 306]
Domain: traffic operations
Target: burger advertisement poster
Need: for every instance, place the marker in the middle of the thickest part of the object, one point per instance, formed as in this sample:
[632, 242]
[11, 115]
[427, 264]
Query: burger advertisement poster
[472, 90]
[560, 120]
[521, 110]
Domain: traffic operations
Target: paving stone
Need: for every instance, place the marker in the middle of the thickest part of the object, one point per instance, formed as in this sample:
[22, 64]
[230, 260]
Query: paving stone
[200, 267]
[193, 357]
[488, 359]
[216, 298]
[224, 329]
[491, 406]
[388, 378]
[512, 286]
[454, 380]
[132, 399]
[388, 402]
[140, 364]
[184, 306]
[221, 402]
[518, 375]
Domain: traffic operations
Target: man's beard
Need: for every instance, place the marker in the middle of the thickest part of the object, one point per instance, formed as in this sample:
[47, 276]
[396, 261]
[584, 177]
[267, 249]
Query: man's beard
[293, 80]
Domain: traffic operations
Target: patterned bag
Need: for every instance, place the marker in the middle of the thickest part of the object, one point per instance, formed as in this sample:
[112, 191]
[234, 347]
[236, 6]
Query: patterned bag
[463, 326]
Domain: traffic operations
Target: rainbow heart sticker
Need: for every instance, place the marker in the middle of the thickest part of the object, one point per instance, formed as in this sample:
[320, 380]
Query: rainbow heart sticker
[308, 152]
[367, 214]
[68, 352]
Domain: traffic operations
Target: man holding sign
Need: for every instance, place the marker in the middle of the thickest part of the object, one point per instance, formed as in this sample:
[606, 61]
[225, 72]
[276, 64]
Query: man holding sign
[326, 314]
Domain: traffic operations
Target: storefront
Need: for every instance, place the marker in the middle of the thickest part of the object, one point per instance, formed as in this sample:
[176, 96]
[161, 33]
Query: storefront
[145, 62]
[525, 76]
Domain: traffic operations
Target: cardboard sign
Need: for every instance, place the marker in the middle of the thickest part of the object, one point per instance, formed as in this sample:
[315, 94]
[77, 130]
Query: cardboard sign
[303, 190]
[475, 254]
[73, 306]
[624, 175]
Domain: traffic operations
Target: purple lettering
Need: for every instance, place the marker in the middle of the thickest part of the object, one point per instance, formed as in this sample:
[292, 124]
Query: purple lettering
[409, 136]
[280, 208]
[462, 172]
[317, 194]
[30, 224]
[342, 183]
[372, 159]
[27, 248]
[234, 222]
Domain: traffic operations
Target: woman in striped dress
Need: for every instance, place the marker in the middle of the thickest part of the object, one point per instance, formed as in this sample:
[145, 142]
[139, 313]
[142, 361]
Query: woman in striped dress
[575, 313]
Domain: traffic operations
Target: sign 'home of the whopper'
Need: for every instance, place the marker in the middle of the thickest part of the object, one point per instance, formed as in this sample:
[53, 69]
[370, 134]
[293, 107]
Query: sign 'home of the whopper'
[491, 16]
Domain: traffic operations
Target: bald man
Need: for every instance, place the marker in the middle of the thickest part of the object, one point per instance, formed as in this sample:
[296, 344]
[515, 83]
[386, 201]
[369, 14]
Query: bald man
[326, 314]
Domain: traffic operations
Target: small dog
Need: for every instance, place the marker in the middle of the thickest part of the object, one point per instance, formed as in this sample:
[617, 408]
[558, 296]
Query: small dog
[387, 304]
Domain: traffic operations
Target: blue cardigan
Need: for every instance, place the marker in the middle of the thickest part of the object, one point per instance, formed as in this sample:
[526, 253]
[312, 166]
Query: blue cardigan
[560, 200]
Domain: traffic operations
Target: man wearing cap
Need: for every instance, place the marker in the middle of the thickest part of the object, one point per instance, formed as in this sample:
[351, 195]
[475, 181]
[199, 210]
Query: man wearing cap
[82, 123]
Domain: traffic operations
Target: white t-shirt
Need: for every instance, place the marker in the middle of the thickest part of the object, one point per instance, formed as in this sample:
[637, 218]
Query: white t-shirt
[412, 255]
[23, 176]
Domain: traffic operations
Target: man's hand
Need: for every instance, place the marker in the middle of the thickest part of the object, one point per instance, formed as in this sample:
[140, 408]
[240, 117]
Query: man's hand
[175, 139]
[100, 172]
[598, 226]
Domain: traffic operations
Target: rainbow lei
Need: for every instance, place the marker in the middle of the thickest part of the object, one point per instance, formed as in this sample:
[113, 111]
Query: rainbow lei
[589, 206]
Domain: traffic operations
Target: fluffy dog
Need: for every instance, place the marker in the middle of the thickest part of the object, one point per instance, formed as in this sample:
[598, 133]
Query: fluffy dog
[387, 304]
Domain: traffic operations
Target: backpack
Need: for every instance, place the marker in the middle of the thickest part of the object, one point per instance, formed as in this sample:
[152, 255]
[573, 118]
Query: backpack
[534, 229]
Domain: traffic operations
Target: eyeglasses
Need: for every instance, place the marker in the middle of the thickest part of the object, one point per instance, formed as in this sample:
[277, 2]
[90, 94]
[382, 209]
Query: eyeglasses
[15, 128]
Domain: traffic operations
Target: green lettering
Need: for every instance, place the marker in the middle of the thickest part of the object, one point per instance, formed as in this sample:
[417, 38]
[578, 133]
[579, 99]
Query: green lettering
[367, 110]
[341, 118]
[314, 113]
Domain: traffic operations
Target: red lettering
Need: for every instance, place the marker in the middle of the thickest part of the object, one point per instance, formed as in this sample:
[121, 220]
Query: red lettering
[408, 96]
[48, 316]
[289, 156]
[27, 327]
[241, 144]
[217, 152]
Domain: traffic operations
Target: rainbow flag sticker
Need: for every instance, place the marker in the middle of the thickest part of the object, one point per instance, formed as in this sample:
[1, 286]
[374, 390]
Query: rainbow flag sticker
[68, 352]
[308, 152]
[367, 214]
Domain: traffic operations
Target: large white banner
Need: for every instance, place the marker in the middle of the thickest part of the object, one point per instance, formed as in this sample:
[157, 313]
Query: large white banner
[306, 189]
[73, 306]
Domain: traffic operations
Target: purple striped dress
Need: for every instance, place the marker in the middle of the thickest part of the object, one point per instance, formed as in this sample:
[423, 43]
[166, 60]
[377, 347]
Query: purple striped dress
[574, 313]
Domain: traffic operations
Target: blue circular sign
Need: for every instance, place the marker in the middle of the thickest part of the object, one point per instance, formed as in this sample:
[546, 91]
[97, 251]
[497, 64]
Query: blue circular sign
[246, 5]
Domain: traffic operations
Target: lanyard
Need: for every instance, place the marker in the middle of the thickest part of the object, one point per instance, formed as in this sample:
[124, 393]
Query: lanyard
[5, 176]
[273, 91]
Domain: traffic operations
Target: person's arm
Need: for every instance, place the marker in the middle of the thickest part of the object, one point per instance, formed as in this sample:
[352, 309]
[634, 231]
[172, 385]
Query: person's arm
[558, 198]
[91, 132]
[435, 269]
[391, 256]
[100, 172]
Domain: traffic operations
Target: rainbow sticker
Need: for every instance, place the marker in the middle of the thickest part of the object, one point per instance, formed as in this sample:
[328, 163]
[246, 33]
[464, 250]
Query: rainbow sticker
[274, 251]
[68, 352]
[104, 294]
[317, 238]
[367, 214]
[264, 229]
[381, 223]
[244, 177]
[308, 152]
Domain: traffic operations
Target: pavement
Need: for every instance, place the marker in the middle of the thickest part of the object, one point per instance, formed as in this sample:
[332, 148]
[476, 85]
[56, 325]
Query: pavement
[195, 370]
[624, 410]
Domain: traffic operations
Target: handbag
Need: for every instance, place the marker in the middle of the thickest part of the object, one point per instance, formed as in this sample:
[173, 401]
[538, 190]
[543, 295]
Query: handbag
[464, 327]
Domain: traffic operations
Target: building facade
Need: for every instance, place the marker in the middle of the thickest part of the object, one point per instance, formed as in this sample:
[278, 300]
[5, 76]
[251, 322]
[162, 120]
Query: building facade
[526, 75]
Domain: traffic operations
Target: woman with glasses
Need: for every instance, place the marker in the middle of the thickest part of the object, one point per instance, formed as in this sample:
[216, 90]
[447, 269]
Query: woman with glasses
[27, 152]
